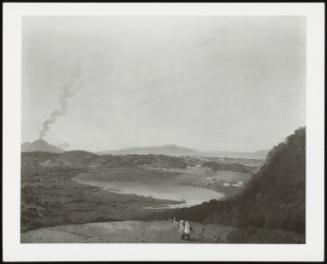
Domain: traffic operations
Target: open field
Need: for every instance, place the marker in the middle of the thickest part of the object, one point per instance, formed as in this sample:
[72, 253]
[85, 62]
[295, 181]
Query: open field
[126, 232]
[158, 231]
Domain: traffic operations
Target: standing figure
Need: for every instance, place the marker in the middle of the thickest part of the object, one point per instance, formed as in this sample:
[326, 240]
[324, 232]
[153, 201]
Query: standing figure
[187, 231]
[181, 228]
[202, 231]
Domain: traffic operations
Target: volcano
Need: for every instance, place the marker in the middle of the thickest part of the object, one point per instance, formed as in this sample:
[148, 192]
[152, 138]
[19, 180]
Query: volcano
[40, 145]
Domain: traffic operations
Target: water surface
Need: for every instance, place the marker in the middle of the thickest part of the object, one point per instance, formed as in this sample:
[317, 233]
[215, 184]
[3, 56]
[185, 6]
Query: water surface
[187, 195]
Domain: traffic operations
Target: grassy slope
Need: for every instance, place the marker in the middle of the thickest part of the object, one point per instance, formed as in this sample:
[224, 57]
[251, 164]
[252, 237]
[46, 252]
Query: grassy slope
[275, 197]
[50, 197]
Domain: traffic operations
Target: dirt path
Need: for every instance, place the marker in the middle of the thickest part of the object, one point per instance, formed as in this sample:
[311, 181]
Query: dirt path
[125, 232]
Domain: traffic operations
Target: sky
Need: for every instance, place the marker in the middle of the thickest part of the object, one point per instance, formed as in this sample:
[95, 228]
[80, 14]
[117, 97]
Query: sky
[209, 83]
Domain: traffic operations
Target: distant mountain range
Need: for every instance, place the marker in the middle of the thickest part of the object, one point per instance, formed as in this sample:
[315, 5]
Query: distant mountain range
[40, 145]
[173, 150]
[168, 150]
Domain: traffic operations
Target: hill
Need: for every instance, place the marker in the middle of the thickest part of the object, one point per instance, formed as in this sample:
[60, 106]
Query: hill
[40, 145]
[275, 197]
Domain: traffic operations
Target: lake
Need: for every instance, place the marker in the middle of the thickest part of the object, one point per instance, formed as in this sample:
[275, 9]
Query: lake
[188, 195]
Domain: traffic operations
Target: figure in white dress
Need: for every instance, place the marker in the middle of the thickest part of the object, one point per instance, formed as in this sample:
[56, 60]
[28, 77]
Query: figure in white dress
[187, 231]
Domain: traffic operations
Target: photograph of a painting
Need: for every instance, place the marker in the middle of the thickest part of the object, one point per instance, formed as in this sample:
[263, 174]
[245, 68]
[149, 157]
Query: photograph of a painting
[163, 129]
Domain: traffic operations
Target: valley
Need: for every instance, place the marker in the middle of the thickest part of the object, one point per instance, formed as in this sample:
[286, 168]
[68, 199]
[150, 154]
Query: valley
[81, 187]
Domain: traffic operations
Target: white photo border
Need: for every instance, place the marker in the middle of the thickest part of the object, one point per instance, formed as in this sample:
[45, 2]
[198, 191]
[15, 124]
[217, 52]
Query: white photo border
[312, 250]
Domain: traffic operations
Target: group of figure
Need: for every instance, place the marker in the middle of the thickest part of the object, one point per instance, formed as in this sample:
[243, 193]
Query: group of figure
[185, 229]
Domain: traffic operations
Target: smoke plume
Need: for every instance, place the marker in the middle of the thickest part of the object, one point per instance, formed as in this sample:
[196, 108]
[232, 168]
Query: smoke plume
[67, 92]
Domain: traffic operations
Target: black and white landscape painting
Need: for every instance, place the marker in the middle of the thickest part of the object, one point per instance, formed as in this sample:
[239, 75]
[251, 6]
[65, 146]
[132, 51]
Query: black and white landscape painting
[163, 129]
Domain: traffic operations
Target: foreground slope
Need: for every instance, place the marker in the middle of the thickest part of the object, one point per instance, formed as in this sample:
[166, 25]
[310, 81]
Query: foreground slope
[126, 232]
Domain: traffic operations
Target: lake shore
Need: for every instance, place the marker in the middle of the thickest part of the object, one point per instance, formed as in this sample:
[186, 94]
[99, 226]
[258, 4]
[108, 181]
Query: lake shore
[51, 198]
[180, 195]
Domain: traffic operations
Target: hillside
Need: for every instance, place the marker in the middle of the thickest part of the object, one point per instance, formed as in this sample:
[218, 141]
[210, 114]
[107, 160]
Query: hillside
[274, 199]
[84, 159]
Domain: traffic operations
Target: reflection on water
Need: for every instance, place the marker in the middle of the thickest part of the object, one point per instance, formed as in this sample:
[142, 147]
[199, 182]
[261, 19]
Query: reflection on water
[187, 195]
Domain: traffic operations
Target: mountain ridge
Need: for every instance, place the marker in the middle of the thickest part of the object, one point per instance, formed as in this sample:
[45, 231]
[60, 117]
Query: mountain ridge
[167, 149]
[175, 150]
